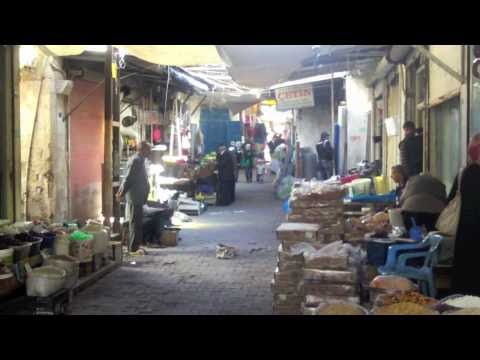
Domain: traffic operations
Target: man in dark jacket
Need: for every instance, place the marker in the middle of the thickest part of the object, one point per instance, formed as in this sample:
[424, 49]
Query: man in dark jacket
[411, 150]
[226, 177]
[136, 188]
[325, 156]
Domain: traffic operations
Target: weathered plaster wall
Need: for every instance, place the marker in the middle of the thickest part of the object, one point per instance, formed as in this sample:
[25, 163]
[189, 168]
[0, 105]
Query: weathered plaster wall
[442, 83]
[43, 140]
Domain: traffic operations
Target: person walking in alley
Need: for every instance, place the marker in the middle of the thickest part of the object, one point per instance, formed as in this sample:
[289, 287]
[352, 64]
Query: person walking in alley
[226, 177]
[260, 167]
[248, 162]
[136, 189]
[325, 156]
[411, 150]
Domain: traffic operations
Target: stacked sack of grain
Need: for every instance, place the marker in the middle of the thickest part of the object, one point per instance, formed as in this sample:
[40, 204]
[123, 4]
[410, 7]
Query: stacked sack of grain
[331, 275]
[289, 271]
[294, 238]
[319, 203]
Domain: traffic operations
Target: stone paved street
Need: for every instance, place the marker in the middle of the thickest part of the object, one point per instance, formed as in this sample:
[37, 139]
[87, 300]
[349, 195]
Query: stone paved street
[188, 279]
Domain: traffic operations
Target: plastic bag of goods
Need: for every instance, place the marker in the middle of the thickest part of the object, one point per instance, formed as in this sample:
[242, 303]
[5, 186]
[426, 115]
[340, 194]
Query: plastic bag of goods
[81, 246]
[285, 188]
[45, 280]
[100, 234]
[62, 244]
[67, 263]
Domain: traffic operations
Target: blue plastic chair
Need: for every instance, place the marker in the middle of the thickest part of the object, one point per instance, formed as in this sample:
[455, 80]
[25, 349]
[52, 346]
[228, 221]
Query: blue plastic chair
[427, 250]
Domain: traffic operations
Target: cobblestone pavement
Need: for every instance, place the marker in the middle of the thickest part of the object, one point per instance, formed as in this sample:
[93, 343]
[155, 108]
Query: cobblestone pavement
[188, 279]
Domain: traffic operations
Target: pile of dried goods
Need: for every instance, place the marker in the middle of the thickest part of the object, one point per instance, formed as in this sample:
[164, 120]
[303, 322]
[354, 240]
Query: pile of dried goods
[390, 282]
[405, 297]
[404, 308]
[340, 309]
[466, 311]
[463, 302]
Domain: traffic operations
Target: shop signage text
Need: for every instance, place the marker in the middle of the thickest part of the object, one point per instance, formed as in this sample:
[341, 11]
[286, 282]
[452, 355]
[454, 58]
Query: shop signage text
[295, 97]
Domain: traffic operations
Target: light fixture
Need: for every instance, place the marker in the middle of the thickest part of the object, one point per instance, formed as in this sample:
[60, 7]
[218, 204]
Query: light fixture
[96, 48]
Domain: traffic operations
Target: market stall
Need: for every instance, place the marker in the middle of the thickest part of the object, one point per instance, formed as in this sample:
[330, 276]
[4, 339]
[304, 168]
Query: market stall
[335, 260]
[43, 265]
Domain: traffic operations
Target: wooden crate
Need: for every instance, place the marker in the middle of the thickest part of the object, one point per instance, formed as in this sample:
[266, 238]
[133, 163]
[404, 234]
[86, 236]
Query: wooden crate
[169, 238]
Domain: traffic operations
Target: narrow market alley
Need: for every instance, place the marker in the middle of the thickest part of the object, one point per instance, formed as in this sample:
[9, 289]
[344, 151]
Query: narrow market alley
[189, 279]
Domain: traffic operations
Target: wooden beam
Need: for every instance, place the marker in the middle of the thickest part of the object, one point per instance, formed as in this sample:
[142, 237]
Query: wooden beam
[107, 178]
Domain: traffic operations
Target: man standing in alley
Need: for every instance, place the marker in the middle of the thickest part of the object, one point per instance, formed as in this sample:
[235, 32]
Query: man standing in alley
[136, 188]
[411, 150]
[325, 156]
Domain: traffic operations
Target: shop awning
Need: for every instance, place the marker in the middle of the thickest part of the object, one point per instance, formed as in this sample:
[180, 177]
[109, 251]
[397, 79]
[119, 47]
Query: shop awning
[261, 66]
[173, 55]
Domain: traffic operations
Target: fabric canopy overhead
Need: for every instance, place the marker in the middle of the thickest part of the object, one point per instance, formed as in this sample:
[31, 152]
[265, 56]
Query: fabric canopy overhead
[261, 66]
[174, 55]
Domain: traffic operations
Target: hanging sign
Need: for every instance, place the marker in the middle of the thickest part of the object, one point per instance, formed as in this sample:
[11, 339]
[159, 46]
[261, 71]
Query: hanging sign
[295, 97]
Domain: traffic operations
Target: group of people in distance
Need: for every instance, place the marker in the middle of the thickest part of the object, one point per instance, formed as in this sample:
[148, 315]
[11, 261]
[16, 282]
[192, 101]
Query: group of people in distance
[423, 197]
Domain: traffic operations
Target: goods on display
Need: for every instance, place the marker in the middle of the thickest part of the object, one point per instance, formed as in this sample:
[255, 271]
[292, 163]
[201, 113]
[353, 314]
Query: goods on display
[465, 311]
[45, 280]
[315, 301]
[404, 308]
[463, 302]
[291, 234]
[405, 296]
[341, 308]
[390, 282]
[101, 236]
[319, 203]
[81, 246]
[287, 275]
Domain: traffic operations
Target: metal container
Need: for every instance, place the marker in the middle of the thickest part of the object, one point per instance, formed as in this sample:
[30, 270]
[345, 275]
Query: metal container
[21, 252]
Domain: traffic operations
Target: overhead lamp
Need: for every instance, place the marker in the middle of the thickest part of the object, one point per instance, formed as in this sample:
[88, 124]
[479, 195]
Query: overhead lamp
[96, 48]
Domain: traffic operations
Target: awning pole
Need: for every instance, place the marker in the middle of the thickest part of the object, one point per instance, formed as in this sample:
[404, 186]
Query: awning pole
[332, 111]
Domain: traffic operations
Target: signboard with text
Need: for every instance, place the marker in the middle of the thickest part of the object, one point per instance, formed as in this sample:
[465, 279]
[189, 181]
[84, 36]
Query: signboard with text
[295, 97]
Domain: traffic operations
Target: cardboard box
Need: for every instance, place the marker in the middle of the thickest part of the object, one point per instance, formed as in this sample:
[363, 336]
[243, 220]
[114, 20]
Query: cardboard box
[169, 238]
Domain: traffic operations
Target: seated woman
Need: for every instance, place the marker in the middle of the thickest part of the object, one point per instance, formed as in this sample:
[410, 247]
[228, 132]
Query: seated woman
[423, 199]
[400, 177]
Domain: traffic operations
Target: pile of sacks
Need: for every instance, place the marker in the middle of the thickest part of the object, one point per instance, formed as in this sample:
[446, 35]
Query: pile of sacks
[331, 275]
[319, 203]
[289, 271]
[287, 276]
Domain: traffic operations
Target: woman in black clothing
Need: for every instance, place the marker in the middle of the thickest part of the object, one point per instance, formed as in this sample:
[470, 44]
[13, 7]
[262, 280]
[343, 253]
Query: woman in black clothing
[466, 268]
